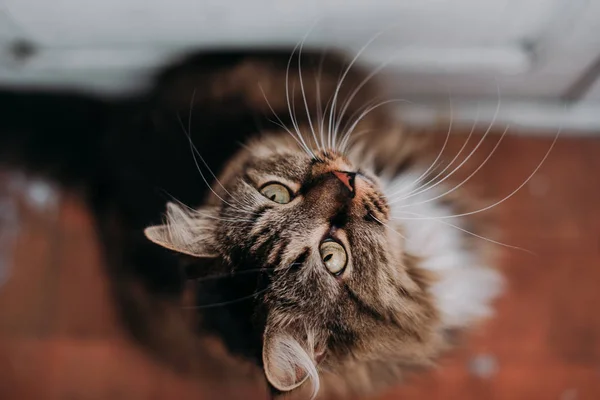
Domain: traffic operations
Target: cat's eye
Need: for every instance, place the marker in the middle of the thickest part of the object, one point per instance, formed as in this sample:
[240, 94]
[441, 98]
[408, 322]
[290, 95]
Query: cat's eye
[276, 192]
[333, 256]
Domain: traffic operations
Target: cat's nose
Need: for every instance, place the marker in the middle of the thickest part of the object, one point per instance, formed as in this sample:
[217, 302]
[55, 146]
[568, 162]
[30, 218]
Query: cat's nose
[347, 178]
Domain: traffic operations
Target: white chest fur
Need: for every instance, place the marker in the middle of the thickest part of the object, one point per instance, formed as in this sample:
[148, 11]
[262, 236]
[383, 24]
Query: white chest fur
[466, 285]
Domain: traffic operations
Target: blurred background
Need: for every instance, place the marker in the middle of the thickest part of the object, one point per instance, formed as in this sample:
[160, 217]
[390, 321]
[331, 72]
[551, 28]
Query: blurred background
[533, 65]
[539, 54]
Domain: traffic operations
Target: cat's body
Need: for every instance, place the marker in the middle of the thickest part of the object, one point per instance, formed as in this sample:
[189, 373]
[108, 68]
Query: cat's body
[407, 280]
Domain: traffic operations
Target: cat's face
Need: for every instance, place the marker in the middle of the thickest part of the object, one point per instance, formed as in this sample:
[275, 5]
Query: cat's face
[339, 287]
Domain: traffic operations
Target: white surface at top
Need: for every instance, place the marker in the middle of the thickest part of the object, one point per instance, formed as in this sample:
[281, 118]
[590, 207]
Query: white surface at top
[529, 49]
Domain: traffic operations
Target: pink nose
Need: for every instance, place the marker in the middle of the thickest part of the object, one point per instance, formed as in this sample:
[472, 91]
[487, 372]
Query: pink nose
[347, 179]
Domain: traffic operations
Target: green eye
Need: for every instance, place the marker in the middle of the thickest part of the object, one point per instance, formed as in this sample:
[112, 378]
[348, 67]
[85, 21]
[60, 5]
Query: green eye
[333, 256]
[276, 192]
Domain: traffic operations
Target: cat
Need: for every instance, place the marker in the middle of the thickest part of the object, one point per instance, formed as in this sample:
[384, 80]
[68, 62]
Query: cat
[280, 184]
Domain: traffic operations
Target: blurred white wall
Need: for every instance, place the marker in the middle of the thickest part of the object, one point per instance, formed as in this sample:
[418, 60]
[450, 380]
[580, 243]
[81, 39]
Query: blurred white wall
[531, 55]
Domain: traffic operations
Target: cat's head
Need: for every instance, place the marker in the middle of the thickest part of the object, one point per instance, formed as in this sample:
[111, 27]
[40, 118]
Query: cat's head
[340, 288]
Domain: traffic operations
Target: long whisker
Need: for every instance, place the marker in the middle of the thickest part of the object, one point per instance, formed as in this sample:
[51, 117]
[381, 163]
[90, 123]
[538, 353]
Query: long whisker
[387, 226]
[339, 86]
[195, 149]
[225, 303]
[231, 274]
[469, 233]
[320, 118]
[203, 214]
[322, 124]
[358, 88]
[281, 124]
[347, 134]
[434, 163]
[310, 124]
[430, 184]
[486, 133]
[287, 97]
[461, 183]
[509, 195]
[200, 170]
[356, 115]
[349, 144]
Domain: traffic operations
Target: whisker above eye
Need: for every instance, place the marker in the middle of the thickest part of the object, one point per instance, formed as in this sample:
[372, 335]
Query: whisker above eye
[205, 215]
[332, 115]
[194, 151]
[350, 130]
[292, 113]
[283, 126]
[310, 124]
[320, 112]
[357, 89]
[193, 146]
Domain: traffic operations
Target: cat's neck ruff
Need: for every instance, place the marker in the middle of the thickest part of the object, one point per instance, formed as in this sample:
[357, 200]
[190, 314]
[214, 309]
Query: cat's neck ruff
[466, 285]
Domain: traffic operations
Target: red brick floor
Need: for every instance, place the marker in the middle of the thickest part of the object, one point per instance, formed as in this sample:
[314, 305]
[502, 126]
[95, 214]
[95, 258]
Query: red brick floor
[59, 338]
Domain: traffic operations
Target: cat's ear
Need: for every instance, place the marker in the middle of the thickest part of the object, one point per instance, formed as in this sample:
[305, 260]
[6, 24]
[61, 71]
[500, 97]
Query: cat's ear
[186, 231]
[289, 362]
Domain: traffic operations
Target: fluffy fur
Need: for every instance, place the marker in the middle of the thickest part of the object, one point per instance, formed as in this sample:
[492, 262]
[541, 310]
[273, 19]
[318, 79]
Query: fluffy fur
[411, 278]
